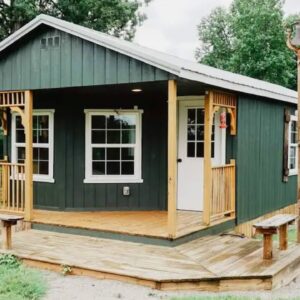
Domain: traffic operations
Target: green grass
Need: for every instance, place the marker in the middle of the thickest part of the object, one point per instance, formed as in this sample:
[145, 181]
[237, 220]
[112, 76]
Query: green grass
[292, 237]
[18, 282]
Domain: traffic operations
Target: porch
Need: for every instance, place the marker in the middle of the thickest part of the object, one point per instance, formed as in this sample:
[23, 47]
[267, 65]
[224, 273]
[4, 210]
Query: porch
[217, 195]
[151, 224]
[211, 263]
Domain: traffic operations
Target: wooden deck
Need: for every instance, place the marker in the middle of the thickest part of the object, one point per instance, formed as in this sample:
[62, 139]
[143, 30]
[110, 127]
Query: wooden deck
[211, 263]
[142, 223]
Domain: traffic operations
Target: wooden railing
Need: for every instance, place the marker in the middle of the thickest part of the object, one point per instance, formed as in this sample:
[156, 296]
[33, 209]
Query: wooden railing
[12, 187]
[223, 190]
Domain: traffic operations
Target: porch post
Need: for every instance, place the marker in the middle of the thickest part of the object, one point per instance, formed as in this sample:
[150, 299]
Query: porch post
[28, 156]
[208, 107]
[172, 157]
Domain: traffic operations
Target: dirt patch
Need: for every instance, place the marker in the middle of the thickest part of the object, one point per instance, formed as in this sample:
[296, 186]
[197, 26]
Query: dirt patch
[79, 287]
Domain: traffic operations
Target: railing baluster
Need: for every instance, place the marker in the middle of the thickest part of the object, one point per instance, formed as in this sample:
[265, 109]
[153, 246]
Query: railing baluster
[223, 190]
[12, 185]
[18, 182]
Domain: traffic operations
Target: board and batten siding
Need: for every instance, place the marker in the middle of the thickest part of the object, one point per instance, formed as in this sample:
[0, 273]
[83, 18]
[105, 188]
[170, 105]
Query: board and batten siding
[259, 154]
[69, 192]
[75, 62]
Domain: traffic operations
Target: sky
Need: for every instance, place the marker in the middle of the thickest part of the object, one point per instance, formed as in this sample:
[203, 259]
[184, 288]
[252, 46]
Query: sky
[171, 26]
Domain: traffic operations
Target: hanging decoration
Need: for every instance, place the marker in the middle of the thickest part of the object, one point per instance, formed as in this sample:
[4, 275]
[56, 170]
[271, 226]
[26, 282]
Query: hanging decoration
[223, 119]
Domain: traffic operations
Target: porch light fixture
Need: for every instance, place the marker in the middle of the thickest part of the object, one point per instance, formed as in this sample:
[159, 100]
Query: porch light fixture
[136, 90]
[294, 45]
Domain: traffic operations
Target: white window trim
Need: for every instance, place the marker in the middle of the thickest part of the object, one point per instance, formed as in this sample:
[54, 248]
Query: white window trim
[293, 171]
[89, 177]
[36, 177]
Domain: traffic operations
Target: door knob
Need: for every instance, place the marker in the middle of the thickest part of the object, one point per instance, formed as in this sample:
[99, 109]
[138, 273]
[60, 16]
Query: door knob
[179, 160]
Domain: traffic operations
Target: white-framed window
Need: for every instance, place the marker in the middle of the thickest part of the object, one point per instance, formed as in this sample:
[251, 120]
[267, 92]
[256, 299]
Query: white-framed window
[293, 149]
[113, 146]
[43, 130]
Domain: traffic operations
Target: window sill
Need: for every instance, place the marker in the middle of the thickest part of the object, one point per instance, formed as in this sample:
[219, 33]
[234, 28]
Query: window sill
[113, 180]
[292, 173]
[41, 179]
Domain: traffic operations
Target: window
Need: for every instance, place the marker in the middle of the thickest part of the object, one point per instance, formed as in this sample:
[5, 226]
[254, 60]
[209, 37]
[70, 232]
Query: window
[42, 126]
[113, 146]
[293, 153]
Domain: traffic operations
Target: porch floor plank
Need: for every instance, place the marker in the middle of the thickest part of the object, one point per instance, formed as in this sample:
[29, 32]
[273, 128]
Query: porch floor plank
[146, 223]
[211, 262]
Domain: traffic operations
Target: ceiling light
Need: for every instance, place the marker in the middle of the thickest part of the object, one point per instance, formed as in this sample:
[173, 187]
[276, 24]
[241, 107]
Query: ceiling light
[136, 90]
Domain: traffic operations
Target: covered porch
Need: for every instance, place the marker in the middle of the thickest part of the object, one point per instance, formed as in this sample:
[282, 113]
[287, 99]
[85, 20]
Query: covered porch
[151, 224]
[217, 196]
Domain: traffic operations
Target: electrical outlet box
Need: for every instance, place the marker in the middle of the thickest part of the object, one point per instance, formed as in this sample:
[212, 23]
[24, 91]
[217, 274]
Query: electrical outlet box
[126, 190]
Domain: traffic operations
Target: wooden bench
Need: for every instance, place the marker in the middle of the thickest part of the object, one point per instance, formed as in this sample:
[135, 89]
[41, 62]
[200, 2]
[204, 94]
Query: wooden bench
[7, 221]
[271, 226]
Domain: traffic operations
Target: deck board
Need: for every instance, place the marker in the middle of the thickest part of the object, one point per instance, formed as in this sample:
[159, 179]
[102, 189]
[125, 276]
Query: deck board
[146, 223]
[211, 262]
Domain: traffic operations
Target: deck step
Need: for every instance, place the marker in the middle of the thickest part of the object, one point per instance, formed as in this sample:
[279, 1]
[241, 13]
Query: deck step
[159, 241]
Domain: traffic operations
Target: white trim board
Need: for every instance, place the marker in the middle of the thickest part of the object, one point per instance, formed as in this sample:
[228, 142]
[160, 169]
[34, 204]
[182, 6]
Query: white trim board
[172, 64]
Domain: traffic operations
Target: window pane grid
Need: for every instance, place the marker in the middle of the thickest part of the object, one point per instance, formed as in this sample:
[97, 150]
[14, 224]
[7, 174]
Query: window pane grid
[195, 133]
[41, 143]
[292, 154]
[113, 143]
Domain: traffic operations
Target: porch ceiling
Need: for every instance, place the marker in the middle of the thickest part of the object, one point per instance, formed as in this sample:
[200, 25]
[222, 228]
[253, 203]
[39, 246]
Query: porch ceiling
[185, 87]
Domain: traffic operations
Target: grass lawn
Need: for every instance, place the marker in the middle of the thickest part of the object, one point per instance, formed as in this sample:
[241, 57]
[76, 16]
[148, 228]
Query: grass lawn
[18, 282]
[292, 237]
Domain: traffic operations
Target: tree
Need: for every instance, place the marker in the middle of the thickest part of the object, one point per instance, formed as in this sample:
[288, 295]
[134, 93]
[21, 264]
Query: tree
[252, 36]
[116, 17]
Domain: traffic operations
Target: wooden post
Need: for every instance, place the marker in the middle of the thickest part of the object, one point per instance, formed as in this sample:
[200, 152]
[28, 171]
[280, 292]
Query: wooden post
[298, 139]
[28, 156]
[208, 120]
[268, 246]
[172, 157]
[283, 243]
[297, 51]
[232, 189]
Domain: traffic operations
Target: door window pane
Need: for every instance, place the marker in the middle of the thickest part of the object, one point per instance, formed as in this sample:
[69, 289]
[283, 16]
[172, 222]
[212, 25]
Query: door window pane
[195, 133]
[200, 149]
[191, 116]
[191, 149]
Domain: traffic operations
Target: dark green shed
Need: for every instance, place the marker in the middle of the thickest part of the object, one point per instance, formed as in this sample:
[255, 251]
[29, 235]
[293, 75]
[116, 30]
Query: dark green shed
[119, 127]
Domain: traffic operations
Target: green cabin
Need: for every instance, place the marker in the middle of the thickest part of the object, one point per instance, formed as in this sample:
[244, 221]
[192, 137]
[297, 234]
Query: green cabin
[107, 137]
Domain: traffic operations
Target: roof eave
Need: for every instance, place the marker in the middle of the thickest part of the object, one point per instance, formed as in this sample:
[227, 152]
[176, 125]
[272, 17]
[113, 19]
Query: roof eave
[229, 85]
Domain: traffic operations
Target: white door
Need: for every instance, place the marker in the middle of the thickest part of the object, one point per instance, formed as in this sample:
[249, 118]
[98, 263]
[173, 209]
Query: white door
[191, 153]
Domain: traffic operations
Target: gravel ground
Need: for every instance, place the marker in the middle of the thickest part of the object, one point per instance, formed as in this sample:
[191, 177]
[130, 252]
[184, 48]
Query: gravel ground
[86, 288]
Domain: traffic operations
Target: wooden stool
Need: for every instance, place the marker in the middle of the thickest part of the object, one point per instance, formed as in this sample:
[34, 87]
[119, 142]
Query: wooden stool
[7, 221]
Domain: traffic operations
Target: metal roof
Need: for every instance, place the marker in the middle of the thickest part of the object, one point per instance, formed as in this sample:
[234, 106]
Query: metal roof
[174, 65]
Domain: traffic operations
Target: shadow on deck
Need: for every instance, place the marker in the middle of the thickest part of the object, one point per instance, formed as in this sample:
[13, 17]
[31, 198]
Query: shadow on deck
[135, 226]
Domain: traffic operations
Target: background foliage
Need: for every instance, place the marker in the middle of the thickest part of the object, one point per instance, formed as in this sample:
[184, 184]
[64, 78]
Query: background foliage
[249, 39]
[117, 17]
